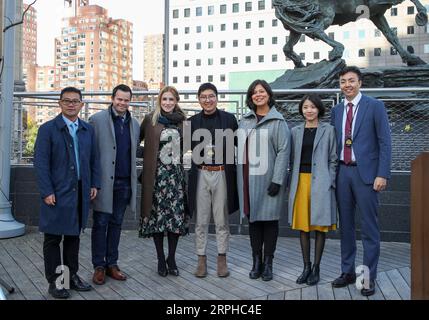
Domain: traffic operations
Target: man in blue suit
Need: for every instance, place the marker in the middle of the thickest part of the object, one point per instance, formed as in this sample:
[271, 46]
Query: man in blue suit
[364, 147]
[68, 176]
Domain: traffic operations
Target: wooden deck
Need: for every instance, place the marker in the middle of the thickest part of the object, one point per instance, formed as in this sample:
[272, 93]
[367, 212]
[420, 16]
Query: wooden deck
[21, 265]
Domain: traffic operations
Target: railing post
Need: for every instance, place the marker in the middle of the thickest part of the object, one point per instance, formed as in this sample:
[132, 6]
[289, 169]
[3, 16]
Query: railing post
[420, 227]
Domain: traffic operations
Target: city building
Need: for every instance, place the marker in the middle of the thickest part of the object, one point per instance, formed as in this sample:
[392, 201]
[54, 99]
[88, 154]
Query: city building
[94, 51]
[29, 47]
[154, 61]
[231, 43]
[45, 81]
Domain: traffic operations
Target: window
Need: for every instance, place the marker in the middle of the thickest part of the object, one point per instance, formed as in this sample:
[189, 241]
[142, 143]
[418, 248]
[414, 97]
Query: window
[331, 35]
[377, 52]
[261, 41]
[274, 40]
[235, 43]
[198, 29]
[210, 10]
[222, 61]
[210, 45]
[248, 59]
[261, 59]
[187, 13]
[393, 51]
[174, 79]
[410, 30]
[199, 11]
[235, 60]
[316, 55]
[346, 35]
[394, 12]
[261, 5]
[186, 63]
[361, 34]
[210, 28]
[235, 7]
[361, 53]
[222, 78]
[248, 6]
[175, 16]
[198, 79]
[426, 48]
[235, 26]
[261, 23]
[377, 33]
[302, 38]
[394, 30]
[186, 46]
[198, 62]
[275, 22]
[248, 25]
[410, 10]
[186, 79]
[222, 9]
[175, 31]
[223, 44]
[223, 27]
[186, 30]
[274, 58]
[210, 61]
[210, 78]
[174, 64]
[248, 42]
[174, 47]
[198, 45]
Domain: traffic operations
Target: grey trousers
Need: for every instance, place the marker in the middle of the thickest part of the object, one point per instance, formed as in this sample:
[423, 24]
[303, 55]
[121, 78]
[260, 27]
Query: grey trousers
[211, 197]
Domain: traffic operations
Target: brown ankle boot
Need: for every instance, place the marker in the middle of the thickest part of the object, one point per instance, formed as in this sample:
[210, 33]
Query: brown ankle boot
[222, 268]
[202, 267]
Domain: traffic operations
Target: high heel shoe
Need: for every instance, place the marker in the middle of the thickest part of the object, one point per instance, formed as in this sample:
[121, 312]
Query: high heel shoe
[305, 274]
[162, 268]
[172, 267]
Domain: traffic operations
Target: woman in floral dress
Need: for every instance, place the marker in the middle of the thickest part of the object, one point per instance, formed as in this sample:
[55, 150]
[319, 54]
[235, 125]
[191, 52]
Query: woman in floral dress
[163, 207]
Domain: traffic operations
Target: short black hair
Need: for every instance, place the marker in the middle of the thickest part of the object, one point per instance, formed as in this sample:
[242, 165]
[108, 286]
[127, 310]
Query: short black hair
[251, 90]
[122, 87]
[353, 69]
[207, 86]
[315, 99]
[71, 89]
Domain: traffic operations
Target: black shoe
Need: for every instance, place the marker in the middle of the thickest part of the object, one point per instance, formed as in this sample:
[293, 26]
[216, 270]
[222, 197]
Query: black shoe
[267, 274]
[172, 267]
[314, 276]
[344, 280]
[257, 268]
[58, 293]
[305, 273]
[76, 283]
[162, 268]
[370, 291]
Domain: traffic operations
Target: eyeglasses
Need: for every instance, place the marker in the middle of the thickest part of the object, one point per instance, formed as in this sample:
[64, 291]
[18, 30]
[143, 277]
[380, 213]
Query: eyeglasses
[73, 102]
[211, 97]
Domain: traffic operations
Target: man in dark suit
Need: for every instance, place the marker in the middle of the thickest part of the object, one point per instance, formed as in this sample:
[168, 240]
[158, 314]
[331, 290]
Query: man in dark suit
[68, 173]
[364, 147]
[212, 179]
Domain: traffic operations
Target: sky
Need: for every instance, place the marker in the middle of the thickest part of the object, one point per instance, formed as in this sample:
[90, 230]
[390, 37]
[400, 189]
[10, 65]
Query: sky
[147, 17]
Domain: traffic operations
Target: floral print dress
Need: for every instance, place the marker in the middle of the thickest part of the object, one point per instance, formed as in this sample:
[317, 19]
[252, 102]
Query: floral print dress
[168, 204]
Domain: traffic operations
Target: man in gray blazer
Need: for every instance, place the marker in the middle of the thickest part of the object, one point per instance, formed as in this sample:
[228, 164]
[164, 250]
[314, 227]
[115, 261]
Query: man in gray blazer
[117, 136]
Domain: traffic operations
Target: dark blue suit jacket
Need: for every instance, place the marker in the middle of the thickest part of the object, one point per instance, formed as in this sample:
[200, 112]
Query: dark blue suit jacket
[55, 166]
[372, 144]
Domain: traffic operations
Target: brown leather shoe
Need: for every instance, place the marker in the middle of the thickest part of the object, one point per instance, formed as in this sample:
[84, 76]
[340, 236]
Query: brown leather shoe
[115, 273]
[99, 277]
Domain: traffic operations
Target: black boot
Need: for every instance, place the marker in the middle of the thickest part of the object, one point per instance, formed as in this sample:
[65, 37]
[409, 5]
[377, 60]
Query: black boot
[267, 274]
[305, 273]
[256, 271]
[314, 276]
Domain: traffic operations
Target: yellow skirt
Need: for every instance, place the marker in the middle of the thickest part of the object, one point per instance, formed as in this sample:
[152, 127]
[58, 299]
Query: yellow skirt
[302, 207]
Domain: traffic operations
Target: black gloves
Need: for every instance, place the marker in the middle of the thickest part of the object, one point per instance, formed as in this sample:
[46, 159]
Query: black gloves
[273, 189]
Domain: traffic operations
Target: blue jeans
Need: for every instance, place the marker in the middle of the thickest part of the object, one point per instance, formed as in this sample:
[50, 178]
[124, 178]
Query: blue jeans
[106, 229]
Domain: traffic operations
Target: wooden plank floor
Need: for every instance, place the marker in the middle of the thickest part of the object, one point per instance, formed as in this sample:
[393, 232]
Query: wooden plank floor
[21, 265]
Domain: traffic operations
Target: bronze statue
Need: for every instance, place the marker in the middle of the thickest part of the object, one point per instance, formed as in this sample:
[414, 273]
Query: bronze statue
[313, 17]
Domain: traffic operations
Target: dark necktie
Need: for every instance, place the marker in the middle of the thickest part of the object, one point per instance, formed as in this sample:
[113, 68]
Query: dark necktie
[348, 134]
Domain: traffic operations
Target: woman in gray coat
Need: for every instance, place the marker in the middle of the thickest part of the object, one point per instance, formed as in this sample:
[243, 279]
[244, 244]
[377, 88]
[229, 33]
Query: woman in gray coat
[312, 205]
[263, 158]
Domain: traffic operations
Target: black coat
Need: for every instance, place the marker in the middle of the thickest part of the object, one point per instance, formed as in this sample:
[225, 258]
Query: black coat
[228, 121]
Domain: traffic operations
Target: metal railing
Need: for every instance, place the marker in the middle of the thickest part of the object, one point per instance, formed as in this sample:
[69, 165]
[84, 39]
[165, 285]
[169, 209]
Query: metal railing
[408, 110]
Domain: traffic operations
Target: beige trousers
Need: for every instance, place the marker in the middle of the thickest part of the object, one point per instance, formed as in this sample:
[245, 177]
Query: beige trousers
[211, 197]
